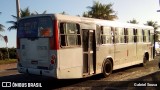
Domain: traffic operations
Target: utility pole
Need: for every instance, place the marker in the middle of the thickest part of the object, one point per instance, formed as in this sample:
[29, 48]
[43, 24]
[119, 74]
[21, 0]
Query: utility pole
[18, 9]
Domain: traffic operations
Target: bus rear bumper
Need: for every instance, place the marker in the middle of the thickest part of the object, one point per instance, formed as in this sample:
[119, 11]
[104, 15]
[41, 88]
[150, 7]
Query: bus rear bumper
[50, 73]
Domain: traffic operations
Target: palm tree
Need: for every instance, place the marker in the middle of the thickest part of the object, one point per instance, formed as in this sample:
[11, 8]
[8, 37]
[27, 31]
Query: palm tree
[153, 24]
[134, 21]
[101, 11]
[63, 13]
[36, 13]
[25, 12]
[1, 26]
[14, 23]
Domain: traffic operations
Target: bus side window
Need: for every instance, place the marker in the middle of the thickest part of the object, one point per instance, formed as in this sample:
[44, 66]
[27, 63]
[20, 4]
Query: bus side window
[62, 34]
[119, 35]
[112, 33]
[140, 35]
[144, 35]
[78, 34]
[135, 35]
[98, 35]
[107, 35]
[126, 37]
[131, 35]
[149, 36]
[70, 34]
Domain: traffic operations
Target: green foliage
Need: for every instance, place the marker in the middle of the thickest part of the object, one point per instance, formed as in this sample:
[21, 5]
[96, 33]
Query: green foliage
[101, 11]
[24, 13]
[4, 53]
[153, 24]
[1, 26]
[134, 21]
[8, 61]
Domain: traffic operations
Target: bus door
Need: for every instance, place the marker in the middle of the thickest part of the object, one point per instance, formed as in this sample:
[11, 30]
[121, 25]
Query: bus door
[89, 51]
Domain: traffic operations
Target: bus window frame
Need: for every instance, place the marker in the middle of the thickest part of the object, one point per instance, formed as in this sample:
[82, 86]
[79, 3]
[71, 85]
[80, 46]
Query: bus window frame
[120, 36]
[131, 35]
[107, 34]
[66, 35]
[38, 31]
[139, 36]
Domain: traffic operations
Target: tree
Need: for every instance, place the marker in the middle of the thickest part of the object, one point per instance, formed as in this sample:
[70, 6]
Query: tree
[36, 13]
[101, 11]
[153, 24]
[25, 12]
[14, 23]
[1, 26]
[63, 13]
[134, 21]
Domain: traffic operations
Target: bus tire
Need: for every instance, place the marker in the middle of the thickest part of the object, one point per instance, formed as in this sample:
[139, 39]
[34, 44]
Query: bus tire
[107, 68]
[144, 61]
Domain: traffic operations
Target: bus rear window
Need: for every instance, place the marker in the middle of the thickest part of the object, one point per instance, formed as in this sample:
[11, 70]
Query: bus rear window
[35, 27]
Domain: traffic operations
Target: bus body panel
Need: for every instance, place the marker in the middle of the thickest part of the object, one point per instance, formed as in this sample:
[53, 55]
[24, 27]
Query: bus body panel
[51, 71]
[132, 53]
[120, 56]
[103, 52]
[70, 63]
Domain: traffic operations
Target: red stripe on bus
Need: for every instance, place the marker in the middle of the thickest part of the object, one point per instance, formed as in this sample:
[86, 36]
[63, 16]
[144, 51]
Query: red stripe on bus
[54, 42]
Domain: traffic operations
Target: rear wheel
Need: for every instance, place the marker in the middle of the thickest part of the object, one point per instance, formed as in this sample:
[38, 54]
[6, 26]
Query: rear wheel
[144, 61]
[107, 68]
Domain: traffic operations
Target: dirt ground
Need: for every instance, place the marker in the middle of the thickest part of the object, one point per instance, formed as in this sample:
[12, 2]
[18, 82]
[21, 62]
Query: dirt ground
[8, 66]
[123, 79]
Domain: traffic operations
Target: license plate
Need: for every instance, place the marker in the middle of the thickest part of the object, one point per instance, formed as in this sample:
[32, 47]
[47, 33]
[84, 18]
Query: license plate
[34, 62]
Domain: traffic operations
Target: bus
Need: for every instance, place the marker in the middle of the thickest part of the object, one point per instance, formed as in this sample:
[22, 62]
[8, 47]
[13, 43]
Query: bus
[65, 47]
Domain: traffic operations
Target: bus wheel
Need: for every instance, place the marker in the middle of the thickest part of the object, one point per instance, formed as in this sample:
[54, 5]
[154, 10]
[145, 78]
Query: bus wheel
[107, 68]
[144, 61]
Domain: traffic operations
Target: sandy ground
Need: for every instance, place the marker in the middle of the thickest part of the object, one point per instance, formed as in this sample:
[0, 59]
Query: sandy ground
[8, 66]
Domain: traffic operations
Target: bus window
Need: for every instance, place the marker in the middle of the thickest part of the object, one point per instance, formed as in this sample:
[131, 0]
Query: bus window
[107, 35]
[130, 35]
[70, 34]
[62, 32]
[144, 35]
[147, 35]
[119, 35]
[44, 27]
[139, 35]
[149, 39]
[98, 35]
[126, 37]
[35, 27]
[135, 35]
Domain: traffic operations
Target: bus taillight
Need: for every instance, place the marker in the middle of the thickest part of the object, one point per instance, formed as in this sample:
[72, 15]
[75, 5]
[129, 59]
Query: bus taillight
[53, 58]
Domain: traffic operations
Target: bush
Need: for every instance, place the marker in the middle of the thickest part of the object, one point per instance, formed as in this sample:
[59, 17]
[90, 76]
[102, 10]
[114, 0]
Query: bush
[4, 53]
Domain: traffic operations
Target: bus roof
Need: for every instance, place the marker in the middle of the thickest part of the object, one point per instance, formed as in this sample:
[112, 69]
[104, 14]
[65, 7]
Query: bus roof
[92, 20]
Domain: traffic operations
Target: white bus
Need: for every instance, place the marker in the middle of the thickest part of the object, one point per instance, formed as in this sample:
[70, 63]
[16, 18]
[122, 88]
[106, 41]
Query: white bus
[65, 47]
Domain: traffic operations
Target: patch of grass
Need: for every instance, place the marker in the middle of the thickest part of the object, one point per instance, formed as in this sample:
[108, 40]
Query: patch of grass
[8, 61]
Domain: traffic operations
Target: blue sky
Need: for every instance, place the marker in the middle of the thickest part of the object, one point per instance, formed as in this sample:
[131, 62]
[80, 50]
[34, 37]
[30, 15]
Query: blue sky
[141, 10]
